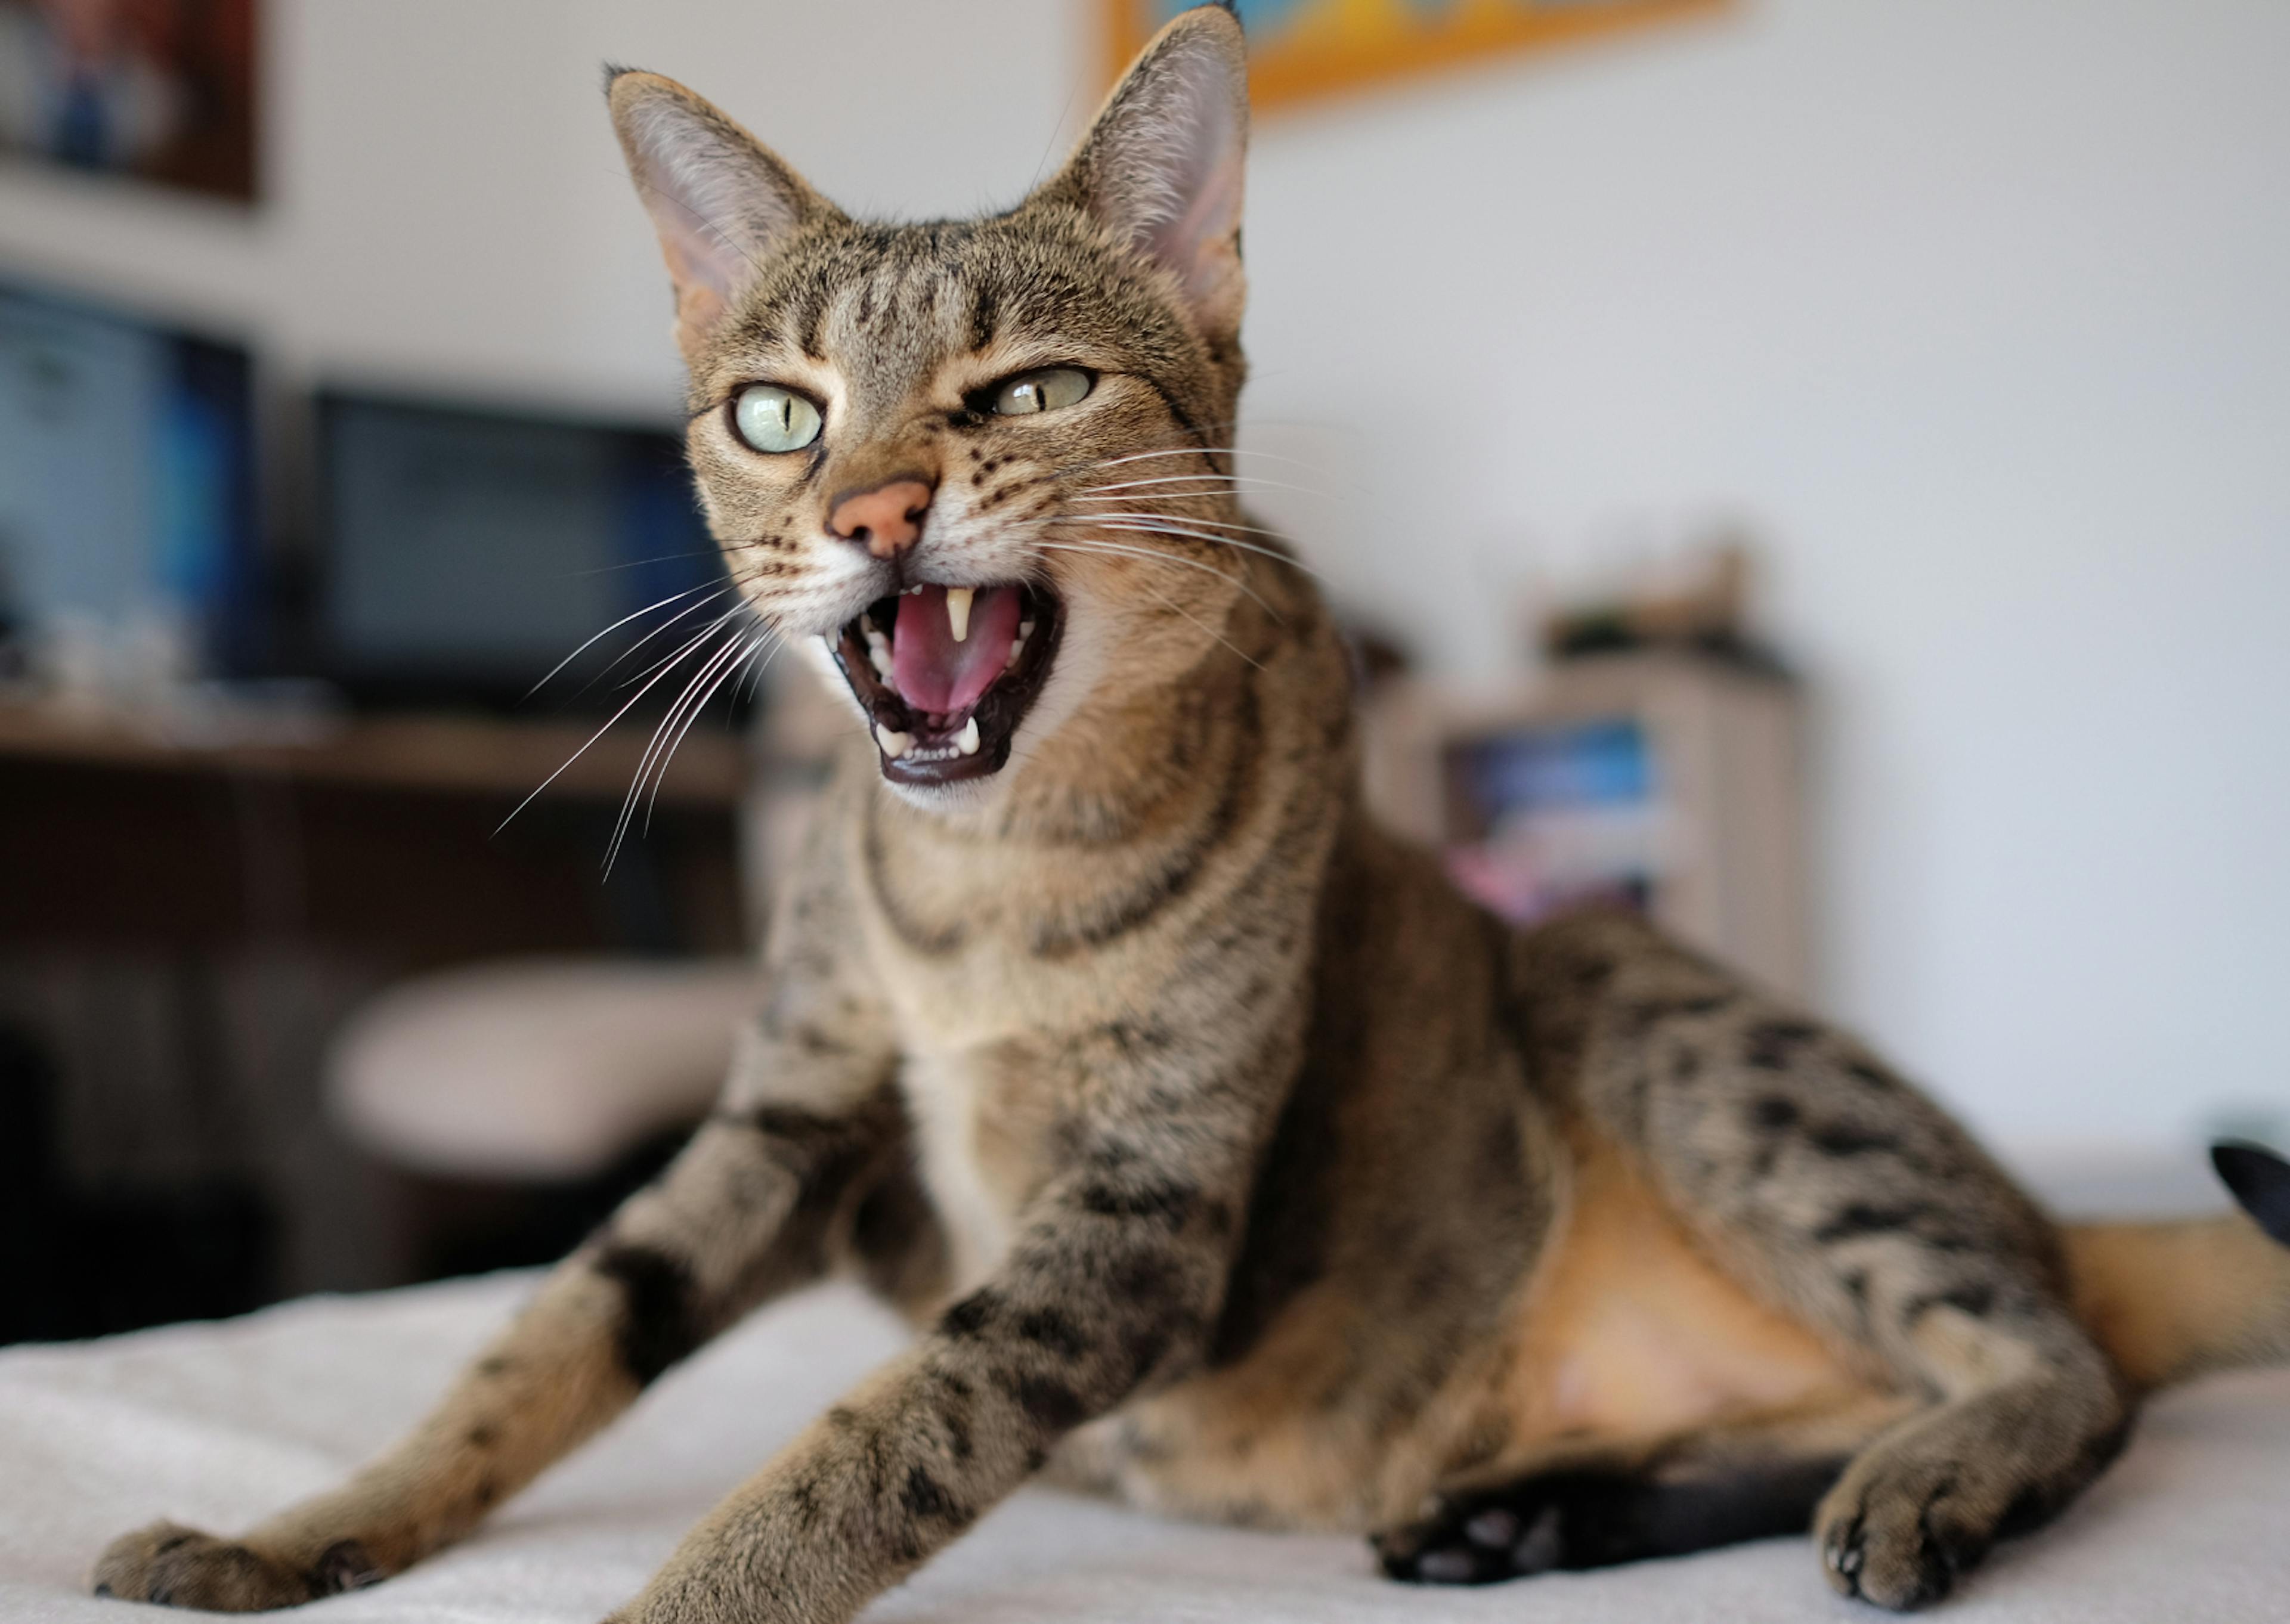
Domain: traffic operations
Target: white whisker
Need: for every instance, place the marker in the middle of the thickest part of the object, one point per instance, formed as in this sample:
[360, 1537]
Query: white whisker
[1181, 518]
[765, 642]
[716, 625]
[1112, 548]
[616, 626]
[755, 672]
[1178, 608]
[640, 564]
[599, 734]
[1153, 555]
[655, 755]
[1180, 532]
[651, 746]
[1209, 451]
[1205, 479]
[729, 647]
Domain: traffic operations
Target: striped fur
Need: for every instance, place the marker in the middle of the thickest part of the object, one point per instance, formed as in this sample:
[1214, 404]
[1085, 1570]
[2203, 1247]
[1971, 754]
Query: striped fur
[1223, 1157]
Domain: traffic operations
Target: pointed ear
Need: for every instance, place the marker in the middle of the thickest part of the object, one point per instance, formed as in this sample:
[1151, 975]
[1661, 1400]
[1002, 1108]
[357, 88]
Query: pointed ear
[722, 202]
[1162, 165]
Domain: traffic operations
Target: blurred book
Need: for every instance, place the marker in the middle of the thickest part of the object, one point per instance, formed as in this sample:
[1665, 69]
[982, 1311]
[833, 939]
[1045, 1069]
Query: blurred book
[1555, 816]
[1664, 781]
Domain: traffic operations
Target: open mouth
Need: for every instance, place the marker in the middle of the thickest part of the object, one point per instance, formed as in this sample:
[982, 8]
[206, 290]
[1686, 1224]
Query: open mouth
[946, 674]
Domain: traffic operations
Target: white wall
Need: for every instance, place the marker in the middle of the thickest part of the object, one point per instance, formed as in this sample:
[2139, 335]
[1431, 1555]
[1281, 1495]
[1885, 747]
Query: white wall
[446, 203]
[1979, 312]
[1974, 309]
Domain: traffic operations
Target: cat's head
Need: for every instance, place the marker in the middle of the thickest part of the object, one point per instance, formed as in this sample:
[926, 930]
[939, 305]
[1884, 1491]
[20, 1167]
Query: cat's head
[976, 468]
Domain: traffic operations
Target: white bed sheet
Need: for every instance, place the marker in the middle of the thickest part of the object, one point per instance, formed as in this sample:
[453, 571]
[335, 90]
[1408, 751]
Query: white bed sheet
[217, 1425]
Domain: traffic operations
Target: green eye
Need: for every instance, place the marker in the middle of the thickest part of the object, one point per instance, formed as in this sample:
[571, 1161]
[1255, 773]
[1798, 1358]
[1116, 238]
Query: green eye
[771, 419]
[1048, 390]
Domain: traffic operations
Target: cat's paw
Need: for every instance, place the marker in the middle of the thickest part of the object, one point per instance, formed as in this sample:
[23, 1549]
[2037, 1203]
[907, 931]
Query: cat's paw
[1897, 1531]
[174, 1566]
[1474, 1540]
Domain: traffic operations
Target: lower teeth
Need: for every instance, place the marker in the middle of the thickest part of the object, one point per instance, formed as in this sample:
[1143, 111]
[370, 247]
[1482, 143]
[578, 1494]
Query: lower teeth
[898, 746]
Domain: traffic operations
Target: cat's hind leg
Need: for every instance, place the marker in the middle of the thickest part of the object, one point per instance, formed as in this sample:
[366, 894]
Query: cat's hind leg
[1750, 1478]
[1833, 1190]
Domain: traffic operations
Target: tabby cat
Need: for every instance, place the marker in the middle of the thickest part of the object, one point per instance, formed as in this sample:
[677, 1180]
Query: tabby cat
[1226, 1159]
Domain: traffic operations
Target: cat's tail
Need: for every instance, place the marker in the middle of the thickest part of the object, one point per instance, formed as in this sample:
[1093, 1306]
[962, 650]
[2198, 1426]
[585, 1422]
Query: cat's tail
[2174, 1300]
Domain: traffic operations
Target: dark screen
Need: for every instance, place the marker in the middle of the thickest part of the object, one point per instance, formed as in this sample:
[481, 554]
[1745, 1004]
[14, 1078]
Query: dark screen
[465, 552]
[126, 478]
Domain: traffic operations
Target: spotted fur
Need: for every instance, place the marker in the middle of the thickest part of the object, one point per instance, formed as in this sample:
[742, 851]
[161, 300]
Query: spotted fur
[1224, 1158]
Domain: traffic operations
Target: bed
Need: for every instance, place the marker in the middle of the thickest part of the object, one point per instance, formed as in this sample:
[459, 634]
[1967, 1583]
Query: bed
[217, 1425]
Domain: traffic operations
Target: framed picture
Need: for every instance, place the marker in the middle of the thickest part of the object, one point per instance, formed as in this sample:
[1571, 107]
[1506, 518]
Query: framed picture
[1299, 50]
[160, 89]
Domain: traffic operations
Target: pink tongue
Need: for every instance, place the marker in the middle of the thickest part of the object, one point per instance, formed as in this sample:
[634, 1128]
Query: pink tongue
[933, 671]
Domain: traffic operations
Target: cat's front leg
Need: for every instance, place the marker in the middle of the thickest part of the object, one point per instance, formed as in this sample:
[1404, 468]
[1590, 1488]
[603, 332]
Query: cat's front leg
[1113, 1281]
[752, 1207]
[741, 1215]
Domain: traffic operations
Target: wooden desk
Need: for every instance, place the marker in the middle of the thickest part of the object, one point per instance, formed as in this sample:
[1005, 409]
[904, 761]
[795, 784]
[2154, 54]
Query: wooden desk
[183, 927]
[462, 754]
[379, 835]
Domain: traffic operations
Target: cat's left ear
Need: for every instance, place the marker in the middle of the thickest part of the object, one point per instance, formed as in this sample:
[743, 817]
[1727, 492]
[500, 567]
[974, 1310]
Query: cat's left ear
[723, 202]
[1162, 165]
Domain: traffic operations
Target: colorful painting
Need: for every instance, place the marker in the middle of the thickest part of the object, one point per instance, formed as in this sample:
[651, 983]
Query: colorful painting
[1302, 49]
[162, 90]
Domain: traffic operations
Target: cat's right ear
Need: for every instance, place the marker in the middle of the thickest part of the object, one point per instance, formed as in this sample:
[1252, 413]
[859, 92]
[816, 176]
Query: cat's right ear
[722, 202]
[1161, 167]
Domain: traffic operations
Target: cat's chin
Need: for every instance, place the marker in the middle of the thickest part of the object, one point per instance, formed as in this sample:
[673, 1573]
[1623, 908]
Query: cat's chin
[941, 759]
[961, 800]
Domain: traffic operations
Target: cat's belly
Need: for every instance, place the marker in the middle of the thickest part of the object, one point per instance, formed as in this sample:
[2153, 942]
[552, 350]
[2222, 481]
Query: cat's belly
[1631, 1330]
[1624, 1332]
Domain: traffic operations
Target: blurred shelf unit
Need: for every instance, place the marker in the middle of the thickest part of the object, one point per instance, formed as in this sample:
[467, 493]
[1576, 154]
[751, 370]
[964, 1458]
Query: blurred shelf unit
[1668, 782]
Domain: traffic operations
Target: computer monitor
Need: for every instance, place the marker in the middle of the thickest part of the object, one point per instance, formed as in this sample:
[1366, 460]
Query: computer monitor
[126, 480]
[464, 551]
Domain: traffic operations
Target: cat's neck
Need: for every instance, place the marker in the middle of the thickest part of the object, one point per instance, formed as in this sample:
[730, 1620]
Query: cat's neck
[1132, 761]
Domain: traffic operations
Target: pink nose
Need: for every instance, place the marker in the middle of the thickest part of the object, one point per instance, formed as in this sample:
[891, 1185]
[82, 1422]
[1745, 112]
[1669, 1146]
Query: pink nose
[885, 520]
